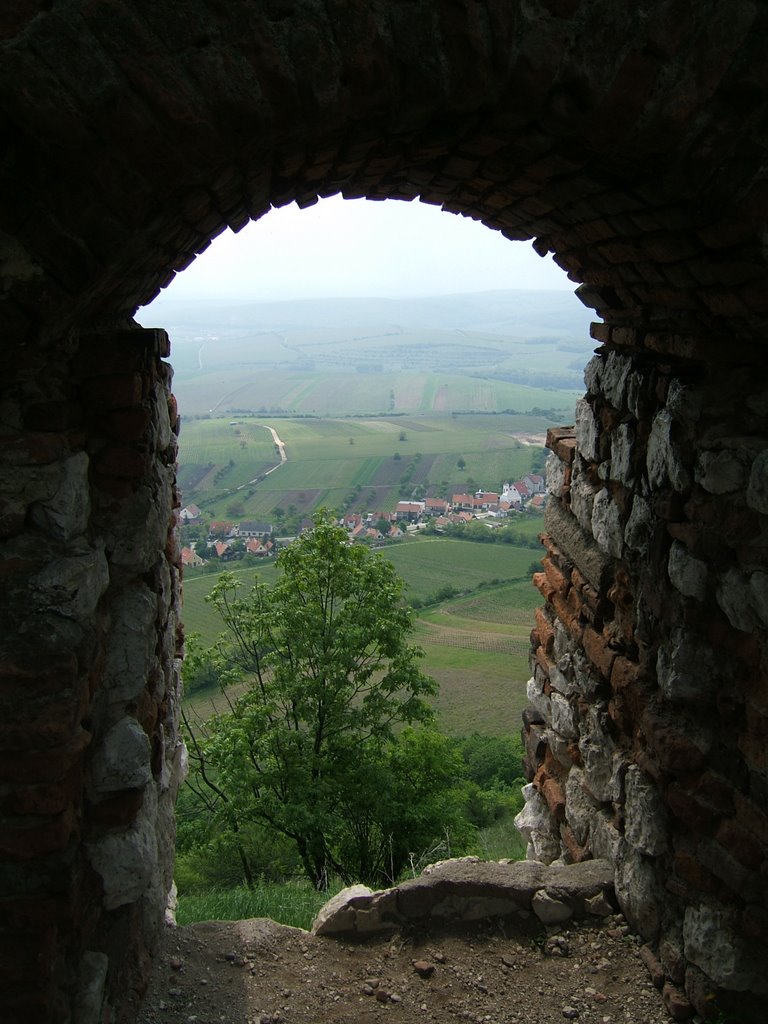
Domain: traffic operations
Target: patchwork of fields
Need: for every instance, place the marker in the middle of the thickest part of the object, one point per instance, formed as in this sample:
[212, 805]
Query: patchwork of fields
[345, 392]
[357, 461]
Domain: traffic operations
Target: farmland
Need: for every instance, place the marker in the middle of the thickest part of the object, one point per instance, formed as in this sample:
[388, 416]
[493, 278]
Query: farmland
[375, 401]
[341, 392]
[482, 352]
[360, 462]
[476, 644]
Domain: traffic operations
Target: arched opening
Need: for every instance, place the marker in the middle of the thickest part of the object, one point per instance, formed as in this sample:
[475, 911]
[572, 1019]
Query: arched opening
[632, 149]
[437, 395]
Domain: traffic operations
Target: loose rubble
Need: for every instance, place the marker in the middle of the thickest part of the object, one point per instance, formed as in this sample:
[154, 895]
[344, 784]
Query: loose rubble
[487, 972]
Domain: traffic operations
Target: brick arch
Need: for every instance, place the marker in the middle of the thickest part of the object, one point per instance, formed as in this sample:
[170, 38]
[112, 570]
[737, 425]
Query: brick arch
[628, 142]
[613, 144]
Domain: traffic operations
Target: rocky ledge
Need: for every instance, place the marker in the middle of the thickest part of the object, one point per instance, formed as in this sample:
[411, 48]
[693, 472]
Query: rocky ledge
[468, 889]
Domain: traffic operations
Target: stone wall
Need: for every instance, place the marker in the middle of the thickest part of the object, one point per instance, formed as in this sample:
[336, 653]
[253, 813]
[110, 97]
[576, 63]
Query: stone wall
[647, 735]
[89, 682]
[627, 140]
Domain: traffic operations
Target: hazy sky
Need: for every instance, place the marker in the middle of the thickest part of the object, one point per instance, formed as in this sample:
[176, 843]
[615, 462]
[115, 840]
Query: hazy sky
[341, 248]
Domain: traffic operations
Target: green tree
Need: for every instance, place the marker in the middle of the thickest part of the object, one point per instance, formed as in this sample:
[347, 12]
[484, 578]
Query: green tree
[461, 462]
[332, 675]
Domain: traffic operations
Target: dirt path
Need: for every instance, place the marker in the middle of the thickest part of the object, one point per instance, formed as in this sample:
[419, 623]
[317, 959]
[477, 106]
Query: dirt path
[259, 972]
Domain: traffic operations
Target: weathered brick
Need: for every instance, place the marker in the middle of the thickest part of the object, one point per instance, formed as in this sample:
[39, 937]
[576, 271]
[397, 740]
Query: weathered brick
[652, 963]
[624, 673]
[576, 852]
[544, 630]
[540, 656]
[553, 793]
[598, 651]
[565, 613]
[558, 580]
[676, 1002]
[542, 584]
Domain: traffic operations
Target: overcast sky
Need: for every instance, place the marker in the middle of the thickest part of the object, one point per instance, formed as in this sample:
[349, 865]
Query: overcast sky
[341, 248]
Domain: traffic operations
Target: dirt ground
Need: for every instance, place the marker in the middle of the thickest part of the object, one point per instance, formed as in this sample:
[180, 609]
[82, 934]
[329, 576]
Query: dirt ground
[259, 972]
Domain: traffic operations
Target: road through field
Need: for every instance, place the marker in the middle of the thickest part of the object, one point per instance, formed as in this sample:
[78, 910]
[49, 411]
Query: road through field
[280, 445]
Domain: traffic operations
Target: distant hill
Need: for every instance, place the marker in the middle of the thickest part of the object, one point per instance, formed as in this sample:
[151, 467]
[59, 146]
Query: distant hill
[310, 357]
[508, 312]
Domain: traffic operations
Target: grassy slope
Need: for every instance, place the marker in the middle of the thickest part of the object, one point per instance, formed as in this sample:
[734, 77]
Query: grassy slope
[482, 687]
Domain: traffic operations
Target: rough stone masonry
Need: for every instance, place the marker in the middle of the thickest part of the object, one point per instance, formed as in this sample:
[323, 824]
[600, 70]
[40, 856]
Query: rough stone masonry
[645, 737]
[629, 141]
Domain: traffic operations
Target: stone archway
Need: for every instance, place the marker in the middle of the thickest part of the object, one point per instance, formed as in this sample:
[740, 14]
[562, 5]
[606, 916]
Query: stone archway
[629, 143]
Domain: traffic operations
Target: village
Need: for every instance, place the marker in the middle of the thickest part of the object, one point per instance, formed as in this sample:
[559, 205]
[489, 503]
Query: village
[227, 540]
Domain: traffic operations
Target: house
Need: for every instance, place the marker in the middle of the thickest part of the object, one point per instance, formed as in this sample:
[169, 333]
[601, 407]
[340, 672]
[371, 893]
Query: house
[223, 549]
[190, 514]
[251, 528]
[365, 532]
[487, 500]
[466, 501]
[435, 506]
[258, 547]
[221, 528]
[351, 520]
[190, 557]
[410, 510]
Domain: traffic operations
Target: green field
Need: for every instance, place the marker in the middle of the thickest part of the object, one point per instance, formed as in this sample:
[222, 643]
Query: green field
[476, 646]
[484, 351]
[359, 461]
[262, 392]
